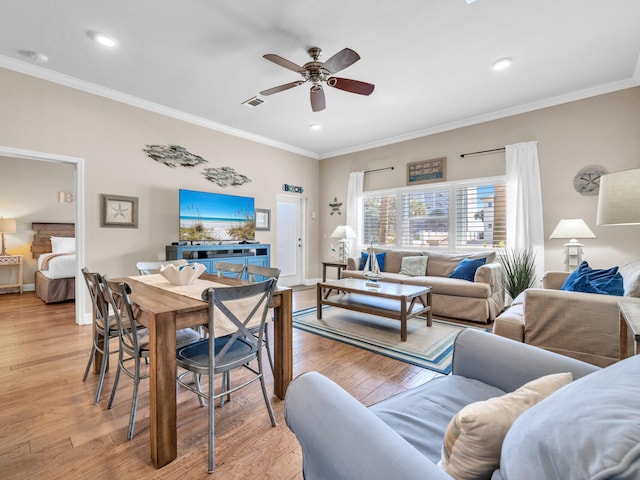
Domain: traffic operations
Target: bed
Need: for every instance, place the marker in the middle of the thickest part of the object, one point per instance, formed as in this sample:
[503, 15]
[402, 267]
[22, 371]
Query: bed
[54, 248]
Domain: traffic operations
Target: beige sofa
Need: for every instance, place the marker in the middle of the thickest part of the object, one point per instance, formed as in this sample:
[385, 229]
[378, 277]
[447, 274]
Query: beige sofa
[477, 301]
[585, 326]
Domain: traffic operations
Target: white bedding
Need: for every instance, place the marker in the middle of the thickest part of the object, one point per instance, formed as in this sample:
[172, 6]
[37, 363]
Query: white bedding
[63, 266]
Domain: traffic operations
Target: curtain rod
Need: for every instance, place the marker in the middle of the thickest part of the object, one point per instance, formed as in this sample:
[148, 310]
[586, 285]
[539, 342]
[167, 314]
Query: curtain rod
[501, 149]
[378, 169]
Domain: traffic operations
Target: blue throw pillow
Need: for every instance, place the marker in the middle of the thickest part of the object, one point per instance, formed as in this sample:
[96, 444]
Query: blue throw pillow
[587, 280]
[582, 269]
[466, 269]
[379, 256]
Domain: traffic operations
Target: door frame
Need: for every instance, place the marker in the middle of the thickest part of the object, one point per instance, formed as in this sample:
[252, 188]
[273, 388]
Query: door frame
[302, 203]
[78, 164]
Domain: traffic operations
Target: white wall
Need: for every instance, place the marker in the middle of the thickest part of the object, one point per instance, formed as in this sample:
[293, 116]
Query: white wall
[603, 130]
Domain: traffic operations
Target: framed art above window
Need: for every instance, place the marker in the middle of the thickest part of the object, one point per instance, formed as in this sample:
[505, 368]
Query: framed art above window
[118, 211]
[427, 171]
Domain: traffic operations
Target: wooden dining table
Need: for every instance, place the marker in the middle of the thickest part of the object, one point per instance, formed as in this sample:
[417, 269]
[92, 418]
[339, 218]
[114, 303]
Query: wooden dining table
[163, 313]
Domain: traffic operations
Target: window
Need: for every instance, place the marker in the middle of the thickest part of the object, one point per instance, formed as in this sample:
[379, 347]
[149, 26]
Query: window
[379, 225]
[425, 218]
[481, 215]
[455, 215]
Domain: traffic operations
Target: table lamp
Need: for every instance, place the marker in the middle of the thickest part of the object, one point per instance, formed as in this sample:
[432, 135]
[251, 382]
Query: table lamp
[573, 229]
[7, 225]
[619, 198]
[343, 232]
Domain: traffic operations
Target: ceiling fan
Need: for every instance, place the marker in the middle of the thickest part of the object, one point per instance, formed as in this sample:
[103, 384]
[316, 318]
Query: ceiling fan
[318, 72]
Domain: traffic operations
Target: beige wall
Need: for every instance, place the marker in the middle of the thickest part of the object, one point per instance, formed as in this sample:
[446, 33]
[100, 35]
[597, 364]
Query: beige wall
[109, 136]
[603, 130]
[43, 116]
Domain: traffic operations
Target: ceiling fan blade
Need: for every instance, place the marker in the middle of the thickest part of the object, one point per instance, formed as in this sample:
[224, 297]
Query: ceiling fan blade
[341, 60]
[281, 88]
[353, 86]
[283, 62]
[317, 98]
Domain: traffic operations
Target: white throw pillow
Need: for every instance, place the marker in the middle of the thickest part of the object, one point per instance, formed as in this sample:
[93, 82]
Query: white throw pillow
[414, 266]
[473, 440]
[629, 268]
[63, 244]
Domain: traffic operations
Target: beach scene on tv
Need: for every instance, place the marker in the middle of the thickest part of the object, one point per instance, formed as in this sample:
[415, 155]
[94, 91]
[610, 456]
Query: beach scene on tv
[208, 216]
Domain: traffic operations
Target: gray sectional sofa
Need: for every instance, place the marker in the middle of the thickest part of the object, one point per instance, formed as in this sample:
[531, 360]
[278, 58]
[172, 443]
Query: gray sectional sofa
[588, 428]
[480, 300]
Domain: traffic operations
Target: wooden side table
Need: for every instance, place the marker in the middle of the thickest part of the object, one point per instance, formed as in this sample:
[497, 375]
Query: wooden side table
[16, 262]
[339, 265]
[629, 320]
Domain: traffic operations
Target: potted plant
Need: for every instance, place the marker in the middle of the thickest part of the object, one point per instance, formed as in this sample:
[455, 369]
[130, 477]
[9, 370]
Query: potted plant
[519, 269]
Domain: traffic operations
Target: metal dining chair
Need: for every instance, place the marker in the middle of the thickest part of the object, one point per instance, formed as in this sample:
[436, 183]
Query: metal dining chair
[148, 268]
[211, 356]
[229, 269]
[133, 341]
[257, 273]
[104, 328]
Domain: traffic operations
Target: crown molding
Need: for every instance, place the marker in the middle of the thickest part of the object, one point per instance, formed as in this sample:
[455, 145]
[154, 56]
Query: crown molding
[95, 89]
[507, 112]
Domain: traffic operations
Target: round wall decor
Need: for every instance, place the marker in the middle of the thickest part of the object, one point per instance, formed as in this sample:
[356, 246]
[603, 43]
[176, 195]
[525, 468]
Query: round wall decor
[587, 180]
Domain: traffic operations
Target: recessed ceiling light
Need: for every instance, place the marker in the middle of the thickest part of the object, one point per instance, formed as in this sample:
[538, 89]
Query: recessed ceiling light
[102, 39]
[315, 127]
[502, 63]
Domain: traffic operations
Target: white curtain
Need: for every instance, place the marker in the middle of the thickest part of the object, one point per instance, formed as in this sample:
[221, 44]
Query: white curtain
[525, 229]
[354, 206]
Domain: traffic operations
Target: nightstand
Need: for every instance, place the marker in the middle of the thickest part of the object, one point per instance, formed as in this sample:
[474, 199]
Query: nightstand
[16, 262]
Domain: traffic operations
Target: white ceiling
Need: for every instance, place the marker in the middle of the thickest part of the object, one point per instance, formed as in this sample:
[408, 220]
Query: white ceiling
[429, 59]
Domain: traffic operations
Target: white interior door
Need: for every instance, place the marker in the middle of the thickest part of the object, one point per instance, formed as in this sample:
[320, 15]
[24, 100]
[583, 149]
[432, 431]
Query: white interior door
[290, 242]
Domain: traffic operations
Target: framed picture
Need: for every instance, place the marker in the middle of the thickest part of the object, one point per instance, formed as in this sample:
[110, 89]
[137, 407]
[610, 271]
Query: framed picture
[427, 171]
[118, 211]
[263, 219]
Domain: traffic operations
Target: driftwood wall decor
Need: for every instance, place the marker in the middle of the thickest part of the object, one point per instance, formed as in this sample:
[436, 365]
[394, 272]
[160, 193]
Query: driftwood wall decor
[173, 156]
[225, 176]
[177, 156]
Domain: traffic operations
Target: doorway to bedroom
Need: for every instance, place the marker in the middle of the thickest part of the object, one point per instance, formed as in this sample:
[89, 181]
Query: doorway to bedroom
[42, 187]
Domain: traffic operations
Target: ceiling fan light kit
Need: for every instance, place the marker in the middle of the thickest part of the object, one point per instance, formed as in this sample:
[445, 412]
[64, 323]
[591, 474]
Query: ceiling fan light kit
[317, 72]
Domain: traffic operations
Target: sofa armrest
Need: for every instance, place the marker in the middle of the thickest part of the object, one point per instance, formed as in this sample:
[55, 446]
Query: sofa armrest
[574, 323]
[554, 280]
[491, 274]
[508, 364]
[510, 323]
[342, 440]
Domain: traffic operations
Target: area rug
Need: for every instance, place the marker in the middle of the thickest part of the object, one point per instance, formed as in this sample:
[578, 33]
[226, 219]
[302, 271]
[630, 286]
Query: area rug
[427, 347]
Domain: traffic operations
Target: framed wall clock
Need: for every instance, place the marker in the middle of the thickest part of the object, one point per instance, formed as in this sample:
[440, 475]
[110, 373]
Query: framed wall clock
[587, 180]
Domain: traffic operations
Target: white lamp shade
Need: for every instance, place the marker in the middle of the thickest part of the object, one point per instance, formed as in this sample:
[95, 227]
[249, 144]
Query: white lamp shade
[619, 198]
[8, 225]
[343, 231]
[572, 228]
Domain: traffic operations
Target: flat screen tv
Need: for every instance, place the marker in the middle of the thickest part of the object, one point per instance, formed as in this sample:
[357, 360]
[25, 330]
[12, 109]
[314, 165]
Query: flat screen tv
[206, 216]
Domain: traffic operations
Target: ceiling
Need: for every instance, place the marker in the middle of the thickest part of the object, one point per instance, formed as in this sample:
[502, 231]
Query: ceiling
[430, 60]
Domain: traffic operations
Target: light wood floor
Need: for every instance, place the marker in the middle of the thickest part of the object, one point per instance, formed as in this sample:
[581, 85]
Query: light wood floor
[50, 428]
